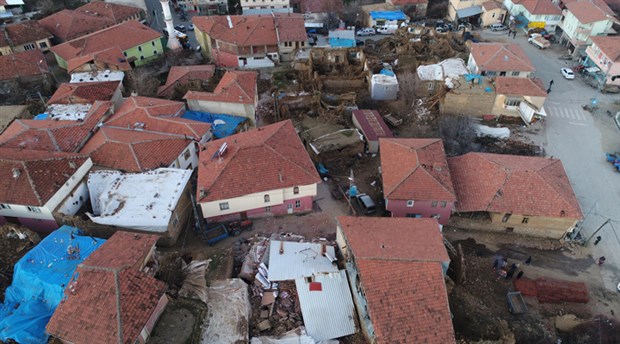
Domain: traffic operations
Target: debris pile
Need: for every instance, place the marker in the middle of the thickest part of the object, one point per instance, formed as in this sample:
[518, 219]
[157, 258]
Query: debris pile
[553, 291]
[15, 241]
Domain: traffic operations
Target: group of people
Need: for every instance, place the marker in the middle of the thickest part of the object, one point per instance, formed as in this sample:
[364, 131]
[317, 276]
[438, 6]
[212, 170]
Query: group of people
[500, 267]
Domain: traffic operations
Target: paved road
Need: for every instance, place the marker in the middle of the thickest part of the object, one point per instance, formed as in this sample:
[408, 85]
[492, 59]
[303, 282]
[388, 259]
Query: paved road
[580, 140]
[157, 21]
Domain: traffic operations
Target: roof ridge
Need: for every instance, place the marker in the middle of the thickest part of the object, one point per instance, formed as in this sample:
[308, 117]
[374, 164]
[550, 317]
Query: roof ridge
[135, 156]
[508, 175]
[417, 158]
[554, 162]
[31, 182]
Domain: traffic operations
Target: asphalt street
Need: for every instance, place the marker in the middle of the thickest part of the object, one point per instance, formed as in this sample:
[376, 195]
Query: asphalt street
[580, 139]
[156, 19]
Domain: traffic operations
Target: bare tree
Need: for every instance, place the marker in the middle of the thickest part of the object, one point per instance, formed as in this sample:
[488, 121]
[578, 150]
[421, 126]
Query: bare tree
[458, 134]
[142, 81]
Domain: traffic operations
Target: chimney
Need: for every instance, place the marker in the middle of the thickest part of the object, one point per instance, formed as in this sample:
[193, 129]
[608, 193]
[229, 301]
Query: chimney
[230, 24]
[16, 173]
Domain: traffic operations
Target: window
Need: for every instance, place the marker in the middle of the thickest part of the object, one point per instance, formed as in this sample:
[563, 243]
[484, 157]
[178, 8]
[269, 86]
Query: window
[155, 52]
[506, 217]
[512, 102]
[410, 203]
[5, 206]
[436, 216]
[415, 216]
[266, 198]
[434, 204]
[297, 204]
[29, 46]
[141, 57]
[34, 210]
[515, 73]
[444, 204]
[125, 53]
[43, 45]
[268, 209]
[187, 154]
[296, 190]
[139, 48]
[224, 206]
[153, 43]
[525, 220]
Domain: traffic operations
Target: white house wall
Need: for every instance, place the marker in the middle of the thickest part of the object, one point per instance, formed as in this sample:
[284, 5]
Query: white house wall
[191, 162]
[256, 200]
[71, 184]
[237, 109]
[75, 200]
[21, 211]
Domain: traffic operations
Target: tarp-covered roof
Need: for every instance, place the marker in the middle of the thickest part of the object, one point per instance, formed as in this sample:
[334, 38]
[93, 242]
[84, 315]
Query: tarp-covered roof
[388, 15]
[223, 125]
[469, 11]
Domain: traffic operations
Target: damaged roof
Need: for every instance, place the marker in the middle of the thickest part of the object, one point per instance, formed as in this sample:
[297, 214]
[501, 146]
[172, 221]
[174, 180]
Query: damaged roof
[84, 93]
[25, 64]
[182, 74]
[262, 159]
[25, 32]
[290, 260]
[415, 169]
[234, 87]
[513, 184]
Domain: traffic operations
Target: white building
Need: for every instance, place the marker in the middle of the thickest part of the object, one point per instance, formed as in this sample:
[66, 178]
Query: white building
[39, 184]
[384, 86]
[256, 6]
[535, 13]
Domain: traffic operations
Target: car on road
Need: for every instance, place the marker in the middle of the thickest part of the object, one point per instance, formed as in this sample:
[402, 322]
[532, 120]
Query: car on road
[181, 28]
[367, 31]
[387, 30]
[497, 27]
[567, 73]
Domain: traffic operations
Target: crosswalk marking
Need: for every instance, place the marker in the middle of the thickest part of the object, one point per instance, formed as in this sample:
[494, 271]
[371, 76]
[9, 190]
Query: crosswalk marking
[566, 113]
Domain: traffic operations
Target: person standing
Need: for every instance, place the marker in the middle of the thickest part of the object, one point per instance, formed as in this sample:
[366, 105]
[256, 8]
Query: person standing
[598, 238]
[520, 274]
[528, 260]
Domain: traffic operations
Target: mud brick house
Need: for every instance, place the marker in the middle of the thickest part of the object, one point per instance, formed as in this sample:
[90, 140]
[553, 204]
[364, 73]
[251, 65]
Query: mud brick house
[112, 297]
[119, 47]
[23, 36]
[253, 41]
[24, 70]
[260, 172]
[416, 178]
[499, 59]
[515, 194]
[416, 7]
[195, 76]
[396, 269]
[37, 184]
[236, 94]
[67, 25]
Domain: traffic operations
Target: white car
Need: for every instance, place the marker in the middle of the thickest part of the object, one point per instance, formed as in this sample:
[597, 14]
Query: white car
[567, 73]
[367, 31]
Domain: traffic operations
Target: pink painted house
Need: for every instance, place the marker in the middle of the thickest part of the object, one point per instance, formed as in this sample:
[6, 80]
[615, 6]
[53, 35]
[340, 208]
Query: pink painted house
[605, 54]
[416, 178]
[262, 172]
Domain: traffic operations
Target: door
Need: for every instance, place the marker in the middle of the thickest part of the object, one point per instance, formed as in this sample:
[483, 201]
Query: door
[289, 208]
[244, 215]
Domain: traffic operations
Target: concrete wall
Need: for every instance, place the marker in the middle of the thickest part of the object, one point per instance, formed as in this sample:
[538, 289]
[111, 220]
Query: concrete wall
[499, 108]
[188, 159]
[238, 109]
[493, 16]
[255, 203]
[399, 208]
[256, 4]
[473, 104]
[551, 227]
[286, 208]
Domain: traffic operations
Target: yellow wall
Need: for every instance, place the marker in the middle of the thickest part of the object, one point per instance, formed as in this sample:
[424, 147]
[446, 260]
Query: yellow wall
[548, 227]
[491, 17]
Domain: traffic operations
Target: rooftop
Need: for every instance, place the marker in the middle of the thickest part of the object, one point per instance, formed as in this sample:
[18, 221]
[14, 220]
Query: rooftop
[84, 93]
[183, 74]
[491, 4]
[105, 75]
[513, 184]
[68, 112]
[415, 169]
[513, 86]
[25, 32]
[609, 45]
[122, 250]
[116, 200]
[31, 177]
[372, 124]
[8, 113]
[274, 153]
[500, 57]
[321, 6]
[587, 12]
[25, 64]
[291, 260]
[131, 150]
[540, 7]
[235, 87]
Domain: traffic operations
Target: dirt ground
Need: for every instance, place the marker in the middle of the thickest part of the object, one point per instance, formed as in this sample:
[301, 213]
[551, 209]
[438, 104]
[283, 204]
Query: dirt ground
[479, 305]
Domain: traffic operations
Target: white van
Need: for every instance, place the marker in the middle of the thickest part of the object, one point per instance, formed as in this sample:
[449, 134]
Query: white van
[387, 29]
[497, 27]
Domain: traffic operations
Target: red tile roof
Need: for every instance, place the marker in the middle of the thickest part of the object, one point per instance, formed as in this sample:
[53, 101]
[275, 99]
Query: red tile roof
[400, 266]
[50, 135]
[512, 86]
[122, 250]
[258, 160]
[587, 12]
[94, 16]
[180, 75]
[321, 6]
[25, 64]
[26, 32]
[372, 124]
[157, 115]
[252, 30]
[513, 184]
[84, 93]
[122, 36]
[40, 174]
[491, 5]
[415, 169]
[540, 7]
[235, 87]
[112, 58]
[499, 57]
[610, 46]
[601, 4]
[134, 150]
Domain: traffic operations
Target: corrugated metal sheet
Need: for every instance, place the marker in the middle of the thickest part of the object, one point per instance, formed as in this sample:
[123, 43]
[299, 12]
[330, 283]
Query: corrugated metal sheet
[328, 313]
[291, 260]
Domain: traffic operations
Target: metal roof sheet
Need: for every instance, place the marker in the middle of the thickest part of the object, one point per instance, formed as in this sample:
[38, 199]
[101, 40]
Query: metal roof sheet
[291, 260]
[329, 312]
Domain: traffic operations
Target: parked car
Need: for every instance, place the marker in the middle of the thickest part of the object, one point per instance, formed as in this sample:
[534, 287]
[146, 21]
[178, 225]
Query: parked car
[567, 73]
[367, 203]
[367, 31]
[181, 28]
[387, 30]
[190, 27]
[497, 27]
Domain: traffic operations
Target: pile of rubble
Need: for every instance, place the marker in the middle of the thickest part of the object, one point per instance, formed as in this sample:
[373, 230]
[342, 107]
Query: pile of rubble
[15, 241]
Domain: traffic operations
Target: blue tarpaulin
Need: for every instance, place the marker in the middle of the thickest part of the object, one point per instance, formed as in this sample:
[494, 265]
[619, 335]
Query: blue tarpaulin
[388, 15]
[223, 125]
[41, 116]
[39, 281]
[387, 72]
[341, 43]
[521, 21]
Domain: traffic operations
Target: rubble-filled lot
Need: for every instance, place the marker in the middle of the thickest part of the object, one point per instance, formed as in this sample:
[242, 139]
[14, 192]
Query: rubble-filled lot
[480, 306]
[15, 242]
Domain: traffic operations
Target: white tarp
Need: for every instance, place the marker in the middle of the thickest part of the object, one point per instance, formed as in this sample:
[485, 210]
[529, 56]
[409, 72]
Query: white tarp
[499, 133]
[106, 75]
[446, 70]
[383, 87]
[296, 336]
[229, 313]
[291, 260]
[68, 112]
[142, 201]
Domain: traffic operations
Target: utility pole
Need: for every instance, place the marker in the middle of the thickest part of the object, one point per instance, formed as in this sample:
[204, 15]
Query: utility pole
[596, 231]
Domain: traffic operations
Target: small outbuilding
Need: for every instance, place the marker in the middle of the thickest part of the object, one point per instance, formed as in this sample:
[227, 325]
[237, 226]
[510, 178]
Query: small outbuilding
[384, 86]
[372, 126]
